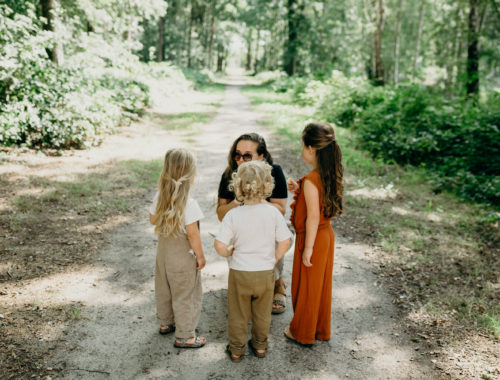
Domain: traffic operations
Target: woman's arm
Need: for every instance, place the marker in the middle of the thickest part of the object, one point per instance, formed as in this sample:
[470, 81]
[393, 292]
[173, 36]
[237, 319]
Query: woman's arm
[311, 195]
[222, 249]
[193, 235]
[281, 249]
[224, 205]
[279, 203]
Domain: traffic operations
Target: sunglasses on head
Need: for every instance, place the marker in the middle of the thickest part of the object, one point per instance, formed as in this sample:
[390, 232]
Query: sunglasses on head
[246, 157]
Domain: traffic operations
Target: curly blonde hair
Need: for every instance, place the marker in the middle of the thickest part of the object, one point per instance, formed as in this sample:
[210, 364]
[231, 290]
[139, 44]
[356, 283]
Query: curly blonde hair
[253, 181]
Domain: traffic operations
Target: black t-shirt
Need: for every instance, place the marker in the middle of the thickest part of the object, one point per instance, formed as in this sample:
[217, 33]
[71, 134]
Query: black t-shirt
[279, 191]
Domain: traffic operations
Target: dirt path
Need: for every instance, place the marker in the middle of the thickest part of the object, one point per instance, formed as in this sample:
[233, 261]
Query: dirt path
[118, 338]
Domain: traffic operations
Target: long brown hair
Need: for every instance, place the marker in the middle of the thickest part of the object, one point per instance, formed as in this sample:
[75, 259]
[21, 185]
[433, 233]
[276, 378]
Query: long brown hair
[178, 172]
[321, 136]
[261, 149]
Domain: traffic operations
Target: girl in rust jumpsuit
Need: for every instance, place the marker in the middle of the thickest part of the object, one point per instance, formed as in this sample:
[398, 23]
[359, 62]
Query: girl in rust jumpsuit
[318, 197]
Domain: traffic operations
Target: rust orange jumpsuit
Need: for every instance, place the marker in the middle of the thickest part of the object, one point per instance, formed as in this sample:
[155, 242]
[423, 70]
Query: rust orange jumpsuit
[311, 286]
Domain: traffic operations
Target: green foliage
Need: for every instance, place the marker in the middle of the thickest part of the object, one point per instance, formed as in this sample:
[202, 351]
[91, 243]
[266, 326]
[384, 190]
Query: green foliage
[200, 79]
[42, 105]
[458, 141]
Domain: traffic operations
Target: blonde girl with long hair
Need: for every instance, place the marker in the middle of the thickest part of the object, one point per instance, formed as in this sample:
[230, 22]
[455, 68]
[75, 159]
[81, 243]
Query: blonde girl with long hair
[180, 256]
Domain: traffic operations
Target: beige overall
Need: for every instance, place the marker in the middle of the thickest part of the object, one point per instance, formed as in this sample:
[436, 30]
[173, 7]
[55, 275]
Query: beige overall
[177, 286]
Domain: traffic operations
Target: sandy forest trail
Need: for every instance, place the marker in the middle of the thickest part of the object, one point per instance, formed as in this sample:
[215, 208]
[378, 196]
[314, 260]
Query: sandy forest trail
[118, 336]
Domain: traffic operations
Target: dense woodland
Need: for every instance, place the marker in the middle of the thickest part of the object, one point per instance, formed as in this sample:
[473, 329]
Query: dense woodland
[419, 80]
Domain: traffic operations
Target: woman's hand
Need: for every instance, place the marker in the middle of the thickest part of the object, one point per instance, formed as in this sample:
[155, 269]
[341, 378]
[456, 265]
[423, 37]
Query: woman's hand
[306, 257]
[230, 250]
[292, 185]
[200, 262]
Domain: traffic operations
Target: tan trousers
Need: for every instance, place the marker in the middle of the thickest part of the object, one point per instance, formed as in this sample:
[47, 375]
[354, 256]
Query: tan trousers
[249, 294]
[177, 286]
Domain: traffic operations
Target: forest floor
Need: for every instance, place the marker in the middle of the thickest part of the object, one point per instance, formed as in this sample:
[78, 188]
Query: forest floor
[77, 263]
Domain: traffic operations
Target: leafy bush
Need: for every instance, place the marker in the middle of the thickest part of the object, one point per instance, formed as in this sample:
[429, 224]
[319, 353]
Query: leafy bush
[266, 78]
[75, 105]
[457, 140]
[199, 78]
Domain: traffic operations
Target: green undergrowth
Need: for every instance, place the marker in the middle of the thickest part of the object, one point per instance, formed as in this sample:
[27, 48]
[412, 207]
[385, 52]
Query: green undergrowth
[445, 247]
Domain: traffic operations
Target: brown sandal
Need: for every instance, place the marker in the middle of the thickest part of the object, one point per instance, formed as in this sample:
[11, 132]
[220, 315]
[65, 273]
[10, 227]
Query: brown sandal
[280, 301]
[234, 358]
[167, 329]
[260, 355]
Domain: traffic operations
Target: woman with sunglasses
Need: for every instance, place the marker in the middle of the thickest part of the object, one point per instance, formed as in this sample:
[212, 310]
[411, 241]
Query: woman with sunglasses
[249, 147]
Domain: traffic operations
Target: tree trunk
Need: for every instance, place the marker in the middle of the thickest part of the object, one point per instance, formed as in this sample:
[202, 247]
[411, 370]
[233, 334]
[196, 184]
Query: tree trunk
[453, 62]
[220, 57]
[160, 57]
[472, 84]
[55, 53]
[419, 37]
[249, 50]
[396, 45]
[379, 67]
[290, 59]
[190, 29]
[256, 60]
[211, 43]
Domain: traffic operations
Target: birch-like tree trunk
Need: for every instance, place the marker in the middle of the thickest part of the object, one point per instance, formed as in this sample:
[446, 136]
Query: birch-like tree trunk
[161, 40]
[190, 30]
[249, 49]
[211, 43]
[256, 59]
[419, 37]
[396, 45]
[378, 71]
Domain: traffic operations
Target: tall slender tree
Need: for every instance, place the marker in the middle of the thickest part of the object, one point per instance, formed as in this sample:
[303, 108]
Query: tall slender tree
[396, 44]
[378, 70]
[472, 83]
[49, 7]
[419, 37]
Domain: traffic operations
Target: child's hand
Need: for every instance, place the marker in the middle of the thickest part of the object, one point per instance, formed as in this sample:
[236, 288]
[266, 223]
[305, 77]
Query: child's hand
[200, 262]
[306, 257]
[292, 185]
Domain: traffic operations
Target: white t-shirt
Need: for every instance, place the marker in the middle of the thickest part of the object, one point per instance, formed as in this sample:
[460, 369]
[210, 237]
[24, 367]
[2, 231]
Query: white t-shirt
[254, 231]
[192, 212]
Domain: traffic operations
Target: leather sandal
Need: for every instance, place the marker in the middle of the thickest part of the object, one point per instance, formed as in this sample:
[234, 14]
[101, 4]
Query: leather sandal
[167, 329]
[260, 355]
[280, 301]
[234, 358]
[183, 343]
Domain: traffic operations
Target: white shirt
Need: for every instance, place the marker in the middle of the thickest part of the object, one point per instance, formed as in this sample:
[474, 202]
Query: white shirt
[254, 230]
[192, 212]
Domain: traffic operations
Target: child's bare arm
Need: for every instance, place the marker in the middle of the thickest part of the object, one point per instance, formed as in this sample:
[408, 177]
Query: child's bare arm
[193, 235]
[223, 249]
[152, 219]
[281, 249]
[311, 195]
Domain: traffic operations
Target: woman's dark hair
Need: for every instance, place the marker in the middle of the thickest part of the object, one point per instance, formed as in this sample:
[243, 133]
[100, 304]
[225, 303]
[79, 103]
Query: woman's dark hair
[321, 136]
[261, 149]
